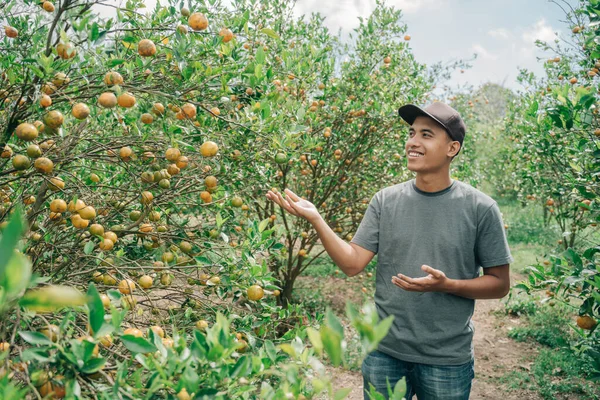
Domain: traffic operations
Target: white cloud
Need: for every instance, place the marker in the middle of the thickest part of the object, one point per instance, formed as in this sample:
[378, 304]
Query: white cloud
[539, 31]
[412, 6]
[481, 51]
[499, 33]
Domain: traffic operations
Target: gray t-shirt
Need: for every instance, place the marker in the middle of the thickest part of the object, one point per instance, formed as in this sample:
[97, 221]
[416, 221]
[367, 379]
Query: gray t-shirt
[456, 230]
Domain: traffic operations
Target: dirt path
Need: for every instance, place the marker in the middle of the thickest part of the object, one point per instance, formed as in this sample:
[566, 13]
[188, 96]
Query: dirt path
[495, 356]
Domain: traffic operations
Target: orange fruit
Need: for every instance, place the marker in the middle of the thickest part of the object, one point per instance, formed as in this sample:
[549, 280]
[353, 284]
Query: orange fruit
[146, 48]
[586, 322]
[34, 151]
[215, 111]
[107, 100]
[202, 324]
[45, 101]
[146, 118]
[182, 162]
[172, 154]
[79, 222]
[237, 201]
[51, 331]
[158, 109]
[20, 162]
[60, 79]
[58, 206]
[226, 34]
[54, 119]
[573, 81]
[105, 300]
[206, 196]
[126, 286]
[66, 51]
[111, 236]
[44, 165]
[407, 37]
[125, 153]
[11, 32]
[255, 292]
[387, 60]
[113, 78]
[87, 212]
[189, 110]
[145, 282]
[126, 100]
[197, 21]
[157, 329]
[75, 206]
[80, 111]
[147, 197]
[133, 331]
[27, 132]
[209, 149]
[173, 169]
[97, 229]
[210, 181]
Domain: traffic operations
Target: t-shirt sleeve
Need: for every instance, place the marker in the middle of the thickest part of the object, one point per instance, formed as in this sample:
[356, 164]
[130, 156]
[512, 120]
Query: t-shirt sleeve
[491, 248]
[367, 235]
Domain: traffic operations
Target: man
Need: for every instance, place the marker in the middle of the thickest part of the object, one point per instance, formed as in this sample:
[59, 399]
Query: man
[432, 234]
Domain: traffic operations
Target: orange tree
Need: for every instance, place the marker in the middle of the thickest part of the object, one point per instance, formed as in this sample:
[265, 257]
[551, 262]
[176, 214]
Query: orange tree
[555, 132]
[336, 137]
[126, 140]
[66, 361]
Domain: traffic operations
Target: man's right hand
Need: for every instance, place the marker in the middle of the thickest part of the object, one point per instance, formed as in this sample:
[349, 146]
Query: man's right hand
[295, 205]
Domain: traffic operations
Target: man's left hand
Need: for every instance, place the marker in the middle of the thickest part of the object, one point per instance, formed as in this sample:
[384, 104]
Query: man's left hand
[436, 281]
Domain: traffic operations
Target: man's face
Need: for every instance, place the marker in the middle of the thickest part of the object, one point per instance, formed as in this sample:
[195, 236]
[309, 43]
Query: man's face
[432, 143]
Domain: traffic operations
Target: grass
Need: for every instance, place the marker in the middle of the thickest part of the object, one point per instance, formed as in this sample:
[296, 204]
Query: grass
[557, 371]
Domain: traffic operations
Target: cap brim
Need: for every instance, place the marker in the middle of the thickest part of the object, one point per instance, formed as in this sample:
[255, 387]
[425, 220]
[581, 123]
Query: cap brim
[410, 112]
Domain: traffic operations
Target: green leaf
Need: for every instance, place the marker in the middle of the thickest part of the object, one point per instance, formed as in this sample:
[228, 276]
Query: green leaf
[114, 62]
[260, 55]
[242, 368]
[10, 236]
[89, 247]
[16, 275]
[342, 393]
[399, 389]
[93, 365]
[334, 323]
[382, 329]
[270, 33]
[332, 343]
[96, 308]
[94, 34]
[137, 344]
[35, 338]
[263, 224]
[315, 339]
[52, 298]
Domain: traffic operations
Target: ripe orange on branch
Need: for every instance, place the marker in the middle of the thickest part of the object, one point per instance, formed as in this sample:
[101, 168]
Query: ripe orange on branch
[107, 100]
[146, 48]
[197, 21]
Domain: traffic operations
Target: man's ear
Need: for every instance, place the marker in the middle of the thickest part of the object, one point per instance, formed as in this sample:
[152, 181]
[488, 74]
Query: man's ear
[455, 147]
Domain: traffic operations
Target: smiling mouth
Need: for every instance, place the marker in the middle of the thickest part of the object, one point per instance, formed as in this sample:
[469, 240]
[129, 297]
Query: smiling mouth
[414, 154]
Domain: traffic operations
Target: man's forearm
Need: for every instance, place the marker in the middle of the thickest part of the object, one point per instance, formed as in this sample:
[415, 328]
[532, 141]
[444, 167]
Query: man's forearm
[340, 252]
[483, 287]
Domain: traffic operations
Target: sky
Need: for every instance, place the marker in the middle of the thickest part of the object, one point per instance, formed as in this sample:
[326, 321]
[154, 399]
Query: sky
[501, 32]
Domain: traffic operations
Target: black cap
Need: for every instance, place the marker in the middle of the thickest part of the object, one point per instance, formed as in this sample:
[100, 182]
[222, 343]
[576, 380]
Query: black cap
[442, 113]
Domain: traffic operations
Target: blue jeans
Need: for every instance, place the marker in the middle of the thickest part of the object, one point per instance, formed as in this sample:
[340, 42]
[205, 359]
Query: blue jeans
[428, 382]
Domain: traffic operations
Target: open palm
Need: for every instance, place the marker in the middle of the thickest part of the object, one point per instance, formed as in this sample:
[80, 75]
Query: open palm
[295, 205]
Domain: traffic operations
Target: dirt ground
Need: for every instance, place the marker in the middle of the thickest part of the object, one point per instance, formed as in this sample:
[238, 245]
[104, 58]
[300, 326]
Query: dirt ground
[495, 355]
